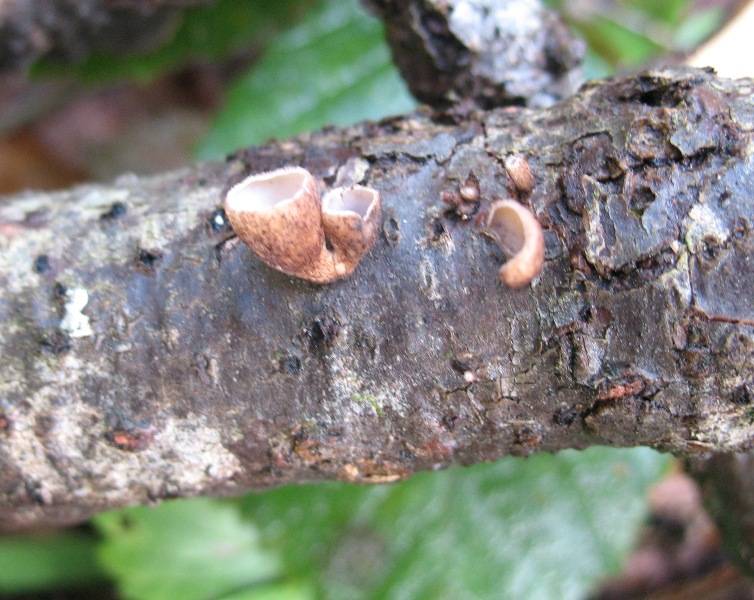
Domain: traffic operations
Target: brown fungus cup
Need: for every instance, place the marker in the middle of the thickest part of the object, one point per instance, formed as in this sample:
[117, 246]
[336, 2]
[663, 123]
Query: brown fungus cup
[280, 216]
[519, 234]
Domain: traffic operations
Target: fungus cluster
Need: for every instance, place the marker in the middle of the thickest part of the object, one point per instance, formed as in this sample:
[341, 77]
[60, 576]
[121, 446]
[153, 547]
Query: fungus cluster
[282, 218]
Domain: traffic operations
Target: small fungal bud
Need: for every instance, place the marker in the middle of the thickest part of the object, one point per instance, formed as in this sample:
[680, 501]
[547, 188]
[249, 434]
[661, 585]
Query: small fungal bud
[519, 234]
[280, 216]
[470, 189]
[518, 169]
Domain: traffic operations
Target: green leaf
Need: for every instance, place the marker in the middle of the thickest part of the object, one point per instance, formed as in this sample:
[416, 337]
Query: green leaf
[205, 33]
[615, 43]
[334, 68]
[277, 591]
[195, 549]
[698, 27]
[628, 33]
[595, 67]
[547, 527]
[56, 562]
[669, 11]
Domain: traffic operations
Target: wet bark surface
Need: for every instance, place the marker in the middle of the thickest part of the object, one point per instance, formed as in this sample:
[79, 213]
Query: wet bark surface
[199, 370]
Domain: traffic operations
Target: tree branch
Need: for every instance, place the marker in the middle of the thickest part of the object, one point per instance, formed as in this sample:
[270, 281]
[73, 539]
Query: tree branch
[509, 52]
[73, 29]
[725, 478]
[208, 373]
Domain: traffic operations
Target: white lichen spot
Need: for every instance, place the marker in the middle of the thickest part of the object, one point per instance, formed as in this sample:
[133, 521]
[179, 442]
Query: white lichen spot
[679, 279]
[202, 457]
[75, 323]
[495, 30]
[704, 226]
[352, 396]
[98, 199]
[428, 280]
[595, 235]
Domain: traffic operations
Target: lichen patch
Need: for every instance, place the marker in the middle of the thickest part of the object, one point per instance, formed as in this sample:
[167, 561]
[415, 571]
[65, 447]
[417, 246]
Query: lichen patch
[75, 323]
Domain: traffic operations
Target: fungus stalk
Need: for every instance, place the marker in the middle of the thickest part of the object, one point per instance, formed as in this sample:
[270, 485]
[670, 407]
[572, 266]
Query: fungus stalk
[280, 216]
[517, 231]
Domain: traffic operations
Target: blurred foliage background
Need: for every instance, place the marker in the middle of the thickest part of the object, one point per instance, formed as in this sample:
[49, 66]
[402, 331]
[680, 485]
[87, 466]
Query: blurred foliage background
[551, 526]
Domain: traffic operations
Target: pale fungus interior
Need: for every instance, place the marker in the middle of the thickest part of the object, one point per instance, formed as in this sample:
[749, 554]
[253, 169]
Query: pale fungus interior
[355, 199]
[506, 225]
[260, 192]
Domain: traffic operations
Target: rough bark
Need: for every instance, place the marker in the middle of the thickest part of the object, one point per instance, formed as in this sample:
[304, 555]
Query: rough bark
[490, 52]
[208, 373]
[72, 29]
[727, 479]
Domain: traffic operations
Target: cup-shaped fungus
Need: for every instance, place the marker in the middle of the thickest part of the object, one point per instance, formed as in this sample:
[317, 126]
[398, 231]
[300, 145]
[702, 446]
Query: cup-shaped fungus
[279, 215]
[519, 234]
[351, 217]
